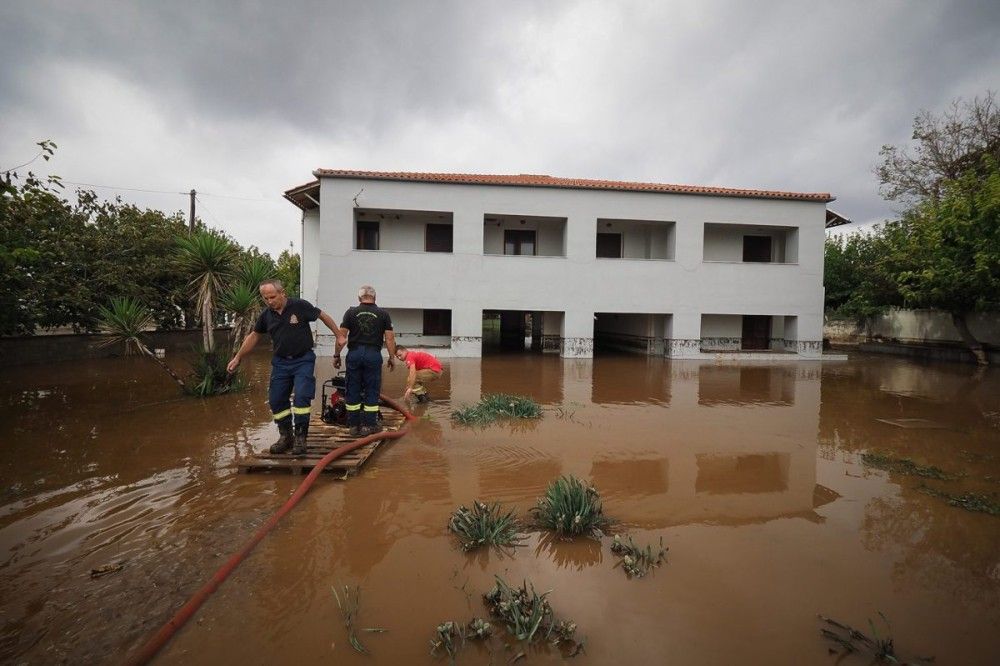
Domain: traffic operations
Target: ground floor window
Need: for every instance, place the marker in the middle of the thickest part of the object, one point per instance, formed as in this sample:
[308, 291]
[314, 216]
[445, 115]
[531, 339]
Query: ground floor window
[437, 322]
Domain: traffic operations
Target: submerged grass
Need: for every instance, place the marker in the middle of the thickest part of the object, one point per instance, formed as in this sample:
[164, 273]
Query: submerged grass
[851, 640]
[485, 525]
[349, 607]
[570, 508]
[496, 406]
[906, 466]
[527, 614]
[638, 561]
[978, 502]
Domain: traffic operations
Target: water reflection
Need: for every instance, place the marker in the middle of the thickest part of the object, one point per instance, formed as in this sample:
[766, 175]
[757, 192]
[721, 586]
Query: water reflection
[747, 385]
[106, 463]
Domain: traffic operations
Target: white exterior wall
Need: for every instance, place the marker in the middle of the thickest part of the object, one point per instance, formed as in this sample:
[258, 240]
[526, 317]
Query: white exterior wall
[311, 250]
[468, 281]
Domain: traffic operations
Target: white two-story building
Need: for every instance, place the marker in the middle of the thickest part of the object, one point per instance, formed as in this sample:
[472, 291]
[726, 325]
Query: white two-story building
[473, 263]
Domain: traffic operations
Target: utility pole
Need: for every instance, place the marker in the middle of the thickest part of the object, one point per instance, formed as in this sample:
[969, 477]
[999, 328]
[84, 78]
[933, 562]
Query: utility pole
[191, 219]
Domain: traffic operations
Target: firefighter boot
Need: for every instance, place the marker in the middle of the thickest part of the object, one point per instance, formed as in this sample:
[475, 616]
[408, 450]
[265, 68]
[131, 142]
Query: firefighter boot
[284, 438]
[299, 448]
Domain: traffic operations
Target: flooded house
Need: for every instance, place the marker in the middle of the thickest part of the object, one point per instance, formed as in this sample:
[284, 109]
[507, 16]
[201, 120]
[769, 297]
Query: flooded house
[472, 263]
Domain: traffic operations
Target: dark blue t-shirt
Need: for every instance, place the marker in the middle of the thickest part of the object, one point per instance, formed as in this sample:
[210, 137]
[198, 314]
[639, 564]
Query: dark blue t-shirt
[366, 325]
[290, 333]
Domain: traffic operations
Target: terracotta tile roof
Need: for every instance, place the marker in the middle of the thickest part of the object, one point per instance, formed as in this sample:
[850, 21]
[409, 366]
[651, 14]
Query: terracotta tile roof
[537, 180]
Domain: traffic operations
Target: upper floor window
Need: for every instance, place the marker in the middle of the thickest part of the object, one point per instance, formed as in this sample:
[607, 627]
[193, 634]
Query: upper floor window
[438, 238]
[757, 248]
[367, 235]
[519, 241]
[609, 246]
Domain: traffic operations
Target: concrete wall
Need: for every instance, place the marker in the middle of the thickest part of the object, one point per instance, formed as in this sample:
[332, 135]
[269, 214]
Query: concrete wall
[33, 349]
[469, 281]
[916, 327]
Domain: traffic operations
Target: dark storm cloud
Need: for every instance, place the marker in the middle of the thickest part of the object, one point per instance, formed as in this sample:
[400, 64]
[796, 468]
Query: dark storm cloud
[328, 67]
[248, 98]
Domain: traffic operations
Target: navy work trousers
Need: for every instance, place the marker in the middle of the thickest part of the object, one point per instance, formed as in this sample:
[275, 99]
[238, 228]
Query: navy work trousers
[364, 381]
[290, 375]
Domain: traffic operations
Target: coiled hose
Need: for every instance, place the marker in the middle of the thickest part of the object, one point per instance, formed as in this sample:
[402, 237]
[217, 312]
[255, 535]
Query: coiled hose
[166, 632]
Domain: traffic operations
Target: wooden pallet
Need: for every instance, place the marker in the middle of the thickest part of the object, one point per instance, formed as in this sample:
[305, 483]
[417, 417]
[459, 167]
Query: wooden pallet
[322, 439]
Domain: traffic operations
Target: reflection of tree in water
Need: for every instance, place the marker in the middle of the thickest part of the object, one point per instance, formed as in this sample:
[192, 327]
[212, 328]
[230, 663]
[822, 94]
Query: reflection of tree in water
[943, 548]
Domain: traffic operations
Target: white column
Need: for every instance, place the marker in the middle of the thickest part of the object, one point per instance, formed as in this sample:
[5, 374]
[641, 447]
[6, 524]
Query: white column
[684, 335]
[578, 334]
[466, 331]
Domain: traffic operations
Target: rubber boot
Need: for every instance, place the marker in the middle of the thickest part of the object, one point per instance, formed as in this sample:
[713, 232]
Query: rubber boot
[299, 448]
[284, 438]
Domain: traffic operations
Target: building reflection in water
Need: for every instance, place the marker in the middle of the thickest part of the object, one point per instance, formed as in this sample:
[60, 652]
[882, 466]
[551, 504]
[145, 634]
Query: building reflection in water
[746, 385]
[630, 380]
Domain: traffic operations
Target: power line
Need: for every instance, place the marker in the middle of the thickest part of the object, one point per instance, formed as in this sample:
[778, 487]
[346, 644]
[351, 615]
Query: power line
[126, 189]
[206, 194]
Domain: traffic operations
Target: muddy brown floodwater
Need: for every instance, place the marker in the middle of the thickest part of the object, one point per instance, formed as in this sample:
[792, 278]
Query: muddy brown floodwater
[751, 474]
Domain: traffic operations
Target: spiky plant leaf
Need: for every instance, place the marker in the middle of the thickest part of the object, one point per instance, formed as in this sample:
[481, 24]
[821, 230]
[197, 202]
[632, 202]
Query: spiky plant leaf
[570, 508]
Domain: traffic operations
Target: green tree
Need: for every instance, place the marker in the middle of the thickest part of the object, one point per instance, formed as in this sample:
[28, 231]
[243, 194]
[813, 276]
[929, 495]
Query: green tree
[953, 245]
[289, 267]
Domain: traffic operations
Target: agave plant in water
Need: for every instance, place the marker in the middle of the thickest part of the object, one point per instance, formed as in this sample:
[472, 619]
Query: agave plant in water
[484, 525]
[570, 508]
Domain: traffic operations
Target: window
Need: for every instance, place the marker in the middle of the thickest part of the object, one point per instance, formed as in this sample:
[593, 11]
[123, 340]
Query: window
[367, 235]
[609, 246]
[437, 238]
[437, 322]
[519, 241]
[757, 248]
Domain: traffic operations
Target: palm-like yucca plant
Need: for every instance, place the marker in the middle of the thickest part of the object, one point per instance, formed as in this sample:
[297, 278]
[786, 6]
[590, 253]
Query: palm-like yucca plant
[255, 269]
[125, 319]
[242, 304]
[570, 508]
[209, 258]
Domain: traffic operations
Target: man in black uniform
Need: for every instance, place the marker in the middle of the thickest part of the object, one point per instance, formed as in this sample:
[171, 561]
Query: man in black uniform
[287, 321]
[366, 325]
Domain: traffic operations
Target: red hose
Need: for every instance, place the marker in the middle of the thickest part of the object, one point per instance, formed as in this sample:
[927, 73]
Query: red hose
[166, 632]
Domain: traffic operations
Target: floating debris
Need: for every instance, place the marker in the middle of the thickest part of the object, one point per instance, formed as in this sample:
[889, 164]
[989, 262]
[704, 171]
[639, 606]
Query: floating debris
[571, 508]
[106, 569]
[969, 501]
[496, 406]
[485, 525]
[852, 640]
[906, 466]
[638, 561]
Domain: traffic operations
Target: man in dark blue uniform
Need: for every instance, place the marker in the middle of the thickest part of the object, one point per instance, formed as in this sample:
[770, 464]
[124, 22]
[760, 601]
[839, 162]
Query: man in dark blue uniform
[287, 321]
[367, 325]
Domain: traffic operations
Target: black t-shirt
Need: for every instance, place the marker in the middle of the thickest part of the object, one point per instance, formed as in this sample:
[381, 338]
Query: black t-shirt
[290, 333]
[366, 323]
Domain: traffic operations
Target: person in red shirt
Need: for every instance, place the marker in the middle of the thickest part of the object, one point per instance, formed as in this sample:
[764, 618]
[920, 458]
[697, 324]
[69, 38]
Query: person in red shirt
[424, 367]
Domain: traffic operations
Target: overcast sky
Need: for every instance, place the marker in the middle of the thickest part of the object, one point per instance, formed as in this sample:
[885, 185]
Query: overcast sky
[246, 99]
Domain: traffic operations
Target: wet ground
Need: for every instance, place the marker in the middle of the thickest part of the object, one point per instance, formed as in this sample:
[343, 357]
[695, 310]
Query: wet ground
[751, 475]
